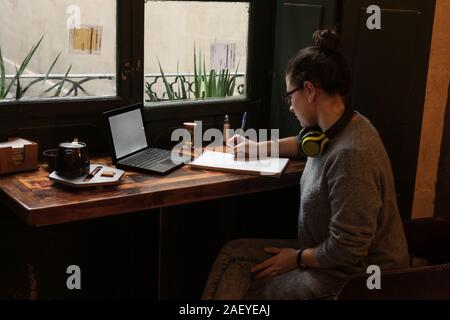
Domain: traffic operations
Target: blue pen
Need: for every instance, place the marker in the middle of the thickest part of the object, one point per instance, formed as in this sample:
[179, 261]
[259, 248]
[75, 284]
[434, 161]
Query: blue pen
[244, 121]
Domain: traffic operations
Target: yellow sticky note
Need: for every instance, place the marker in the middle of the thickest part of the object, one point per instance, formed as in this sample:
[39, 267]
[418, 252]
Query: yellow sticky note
[86, 39]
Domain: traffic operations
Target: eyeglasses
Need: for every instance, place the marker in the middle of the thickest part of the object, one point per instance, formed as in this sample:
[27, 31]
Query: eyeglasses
[288, 96]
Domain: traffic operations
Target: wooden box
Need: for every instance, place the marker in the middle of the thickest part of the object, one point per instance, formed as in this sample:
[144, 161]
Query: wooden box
[30, 159]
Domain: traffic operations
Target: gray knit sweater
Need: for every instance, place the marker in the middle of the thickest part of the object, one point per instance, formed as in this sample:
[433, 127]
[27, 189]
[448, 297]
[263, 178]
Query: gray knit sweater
[348, 206]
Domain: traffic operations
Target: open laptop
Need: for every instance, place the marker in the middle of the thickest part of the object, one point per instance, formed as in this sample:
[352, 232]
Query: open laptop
[130, 149]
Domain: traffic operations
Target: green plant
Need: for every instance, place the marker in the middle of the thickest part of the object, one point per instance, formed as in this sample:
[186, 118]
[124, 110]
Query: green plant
[4, 90]
[220, 84]
[61, 84]
[171, 94]
[216, 84]
[51, 66]
[197, 75]
[19, 72]
[18, 88]
[148, 91]
[180, 81]
[2, 76]
[169, 90]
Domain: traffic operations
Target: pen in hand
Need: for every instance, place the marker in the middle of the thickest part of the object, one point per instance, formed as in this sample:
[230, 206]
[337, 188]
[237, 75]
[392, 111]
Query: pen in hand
[244, 121]
[232, 143]
[243, 143]
[243, 124]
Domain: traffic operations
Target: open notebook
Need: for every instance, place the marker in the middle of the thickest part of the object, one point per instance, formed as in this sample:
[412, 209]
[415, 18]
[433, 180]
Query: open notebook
[225, 162]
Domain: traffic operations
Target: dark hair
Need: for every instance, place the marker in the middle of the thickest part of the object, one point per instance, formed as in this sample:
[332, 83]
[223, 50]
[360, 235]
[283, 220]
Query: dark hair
[323, 64]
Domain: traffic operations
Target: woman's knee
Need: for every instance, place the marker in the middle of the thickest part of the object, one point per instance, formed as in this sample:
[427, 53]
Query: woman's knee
[234, 247]
[244, 248]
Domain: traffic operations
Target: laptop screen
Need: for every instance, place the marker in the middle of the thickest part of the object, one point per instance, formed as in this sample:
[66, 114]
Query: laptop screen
[128, 132]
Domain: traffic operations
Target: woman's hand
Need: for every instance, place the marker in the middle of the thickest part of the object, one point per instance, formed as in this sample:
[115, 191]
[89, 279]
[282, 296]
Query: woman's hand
[243, 148]
[284, 260]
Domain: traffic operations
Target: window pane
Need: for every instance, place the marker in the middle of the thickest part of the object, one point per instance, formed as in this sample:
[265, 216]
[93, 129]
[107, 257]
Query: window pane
[218, 34]
[77, 54]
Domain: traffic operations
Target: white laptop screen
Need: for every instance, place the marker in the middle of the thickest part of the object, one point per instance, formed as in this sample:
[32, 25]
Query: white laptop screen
[128, 133]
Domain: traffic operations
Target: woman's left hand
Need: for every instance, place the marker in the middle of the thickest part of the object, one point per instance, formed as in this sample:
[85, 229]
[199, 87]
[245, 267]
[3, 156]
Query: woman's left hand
[284, 260]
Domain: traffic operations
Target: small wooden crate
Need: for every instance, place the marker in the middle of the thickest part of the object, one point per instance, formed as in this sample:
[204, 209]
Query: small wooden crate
[7, 165]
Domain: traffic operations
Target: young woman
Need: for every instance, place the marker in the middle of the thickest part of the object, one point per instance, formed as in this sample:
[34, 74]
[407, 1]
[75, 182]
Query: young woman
[348, 216]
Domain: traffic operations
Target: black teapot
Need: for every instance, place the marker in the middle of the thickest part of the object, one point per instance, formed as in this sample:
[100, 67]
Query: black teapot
[72, 159]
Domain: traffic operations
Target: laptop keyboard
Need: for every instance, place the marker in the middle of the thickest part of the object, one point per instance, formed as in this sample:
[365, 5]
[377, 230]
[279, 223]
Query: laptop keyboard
[147, 158]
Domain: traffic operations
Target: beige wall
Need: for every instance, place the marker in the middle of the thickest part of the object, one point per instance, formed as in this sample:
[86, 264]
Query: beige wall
[25, 21]
[434, 111]
[172, 28]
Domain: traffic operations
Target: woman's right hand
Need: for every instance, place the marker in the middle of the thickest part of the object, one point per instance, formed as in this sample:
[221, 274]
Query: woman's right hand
[243, 148]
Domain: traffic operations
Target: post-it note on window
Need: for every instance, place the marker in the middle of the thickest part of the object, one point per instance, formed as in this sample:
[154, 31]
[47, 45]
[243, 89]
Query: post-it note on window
[86, 39]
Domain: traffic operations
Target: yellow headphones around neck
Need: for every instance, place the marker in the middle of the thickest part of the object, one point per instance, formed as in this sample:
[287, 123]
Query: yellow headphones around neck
[313, 140]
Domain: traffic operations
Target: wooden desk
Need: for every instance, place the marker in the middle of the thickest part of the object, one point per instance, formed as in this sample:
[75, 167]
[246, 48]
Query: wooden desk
[40, 202]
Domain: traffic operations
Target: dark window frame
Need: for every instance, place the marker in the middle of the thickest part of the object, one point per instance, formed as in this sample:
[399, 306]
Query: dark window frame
[192, 107]
[130, 77]
[51, 108]
[258, 73]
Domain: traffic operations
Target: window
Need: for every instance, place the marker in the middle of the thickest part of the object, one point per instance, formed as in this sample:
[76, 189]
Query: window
[64, 49]
[126, 32]
[195, 50]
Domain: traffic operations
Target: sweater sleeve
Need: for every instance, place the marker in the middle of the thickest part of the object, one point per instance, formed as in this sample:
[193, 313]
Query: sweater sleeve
[355, 200]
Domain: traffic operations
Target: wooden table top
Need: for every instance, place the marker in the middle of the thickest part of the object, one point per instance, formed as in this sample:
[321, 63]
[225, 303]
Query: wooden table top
[40, 202]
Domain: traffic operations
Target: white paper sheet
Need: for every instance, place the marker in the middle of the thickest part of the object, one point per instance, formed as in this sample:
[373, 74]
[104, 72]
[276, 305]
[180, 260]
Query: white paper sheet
[226, 162]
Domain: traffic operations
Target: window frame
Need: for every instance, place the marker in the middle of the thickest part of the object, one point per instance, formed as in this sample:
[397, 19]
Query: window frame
[130, 76]
[258, 74]
[54, 107]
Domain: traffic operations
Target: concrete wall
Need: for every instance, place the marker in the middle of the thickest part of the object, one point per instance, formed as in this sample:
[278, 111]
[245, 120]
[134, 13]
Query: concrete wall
[172, 28]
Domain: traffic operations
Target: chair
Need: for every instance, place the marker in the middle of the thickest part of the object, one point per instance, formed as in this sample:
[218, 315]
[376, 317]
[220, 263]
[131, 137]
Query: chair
[427, 239]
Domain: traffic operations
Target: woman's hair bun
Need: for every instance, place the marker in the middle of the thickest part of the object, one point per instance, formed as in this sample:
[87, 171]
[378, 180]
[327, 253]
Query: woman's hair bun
[327, 39]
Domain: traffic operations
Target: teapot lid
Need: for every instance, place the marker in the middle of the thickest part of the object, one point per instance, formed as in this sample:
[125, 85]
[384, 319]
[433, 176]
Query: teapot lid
[75, 144]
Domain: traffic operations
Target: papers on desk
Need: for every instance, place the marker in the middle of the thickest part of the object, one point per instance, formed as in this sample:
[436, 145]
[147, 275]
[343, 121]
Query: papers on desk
[226, 162]
[18, 149]
[16, 143]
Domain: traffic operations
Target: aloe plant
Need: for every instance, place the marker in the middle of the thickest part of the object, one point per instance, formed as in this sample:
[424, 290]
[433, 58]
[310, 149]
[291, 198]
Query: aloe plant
[148, 91]
[206, 81]
[232, 82]
[2, 76]
[180, 81]
[22, 68]
[219, 84]
[61, 84]
[18, 88]
[4, 91]
[216, 84]
[52, 66]
[169, 90]
[197, 75]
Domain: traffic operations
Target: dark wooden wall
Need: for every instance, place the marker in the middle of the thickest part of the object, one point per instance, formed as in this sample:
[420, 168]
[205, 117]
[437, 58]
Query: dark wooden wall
[390, 68]
[296, 22]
